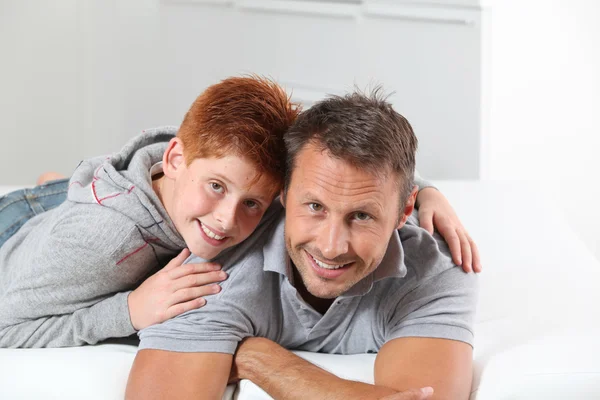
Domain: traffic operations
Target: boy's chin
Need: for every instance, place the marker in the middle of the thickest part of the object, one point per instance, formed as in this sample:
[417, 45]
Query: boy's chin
[206, 252]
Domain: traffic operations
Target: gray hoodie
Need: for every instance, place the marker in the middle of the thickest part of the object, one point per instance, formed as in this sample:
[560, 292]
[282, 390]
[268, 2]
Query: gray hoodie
[66, 274]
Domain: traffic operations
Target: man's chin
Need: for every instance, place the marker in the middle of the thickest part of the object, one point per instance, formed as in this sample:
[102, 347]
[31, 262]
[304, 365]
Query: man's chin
[323, 292]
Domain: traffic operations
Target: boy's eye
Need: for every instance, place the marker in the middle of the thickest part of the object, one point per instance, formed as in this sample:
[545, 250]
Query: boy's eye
[216, 187]
[251, 204]
[315, 207]
[361, 216]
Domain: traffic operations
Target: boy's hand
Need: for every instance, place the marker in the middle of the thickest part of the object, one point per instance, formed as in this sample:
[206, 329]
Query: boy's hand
[434, 209]
[173, 290]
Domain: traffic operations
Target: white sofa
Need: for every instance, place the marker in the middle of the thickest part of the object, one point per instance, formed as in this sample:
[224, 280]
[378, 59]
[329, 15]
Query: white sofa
[537, 329]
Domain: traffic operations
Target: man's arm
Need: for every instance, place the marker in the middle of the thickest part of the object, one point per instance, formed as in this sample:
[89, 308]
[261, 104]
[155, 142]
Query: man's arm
[445, 365]
[284, 375]
[158, 374]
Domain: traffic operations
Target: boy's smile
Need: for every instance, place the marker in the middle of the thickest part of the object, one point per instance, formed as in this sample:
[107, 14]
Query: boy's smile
[211, 236]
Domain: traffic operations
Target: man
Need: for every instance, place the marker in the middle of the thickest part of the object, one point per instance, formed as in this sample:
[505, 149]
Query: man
[336, 274]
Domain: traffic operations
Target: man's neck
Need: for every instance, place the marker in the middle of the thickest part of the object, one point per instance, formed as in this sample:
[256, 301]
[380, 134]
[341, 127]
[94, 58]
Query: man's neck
[320, 305]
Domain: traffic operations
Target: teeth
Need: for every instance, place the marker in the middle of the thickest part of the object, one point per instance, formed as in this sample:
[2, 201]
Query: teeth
[210, 233]
[327, 266]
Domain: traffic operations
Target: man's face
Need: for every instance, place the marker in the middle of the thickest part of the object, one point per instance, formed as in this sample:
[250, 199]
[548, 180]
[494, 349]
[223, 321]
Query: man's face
[212, 203]
[339, 220]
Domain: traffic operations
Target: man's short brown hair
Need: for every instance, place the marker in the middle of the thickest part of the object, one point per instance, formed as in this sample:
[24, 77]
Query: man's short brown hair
[363, 130]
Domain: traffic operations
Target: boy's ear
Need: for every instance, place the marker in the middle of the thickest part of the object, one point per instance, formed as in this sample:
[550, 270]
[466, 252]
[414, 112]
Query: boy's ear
[173, 158]
[409, 206]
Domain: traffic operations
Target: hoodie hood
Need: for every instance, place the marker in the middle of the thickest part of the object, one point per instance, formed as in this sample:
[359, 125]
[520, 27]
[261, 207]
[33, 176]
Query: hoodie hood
[122, 182]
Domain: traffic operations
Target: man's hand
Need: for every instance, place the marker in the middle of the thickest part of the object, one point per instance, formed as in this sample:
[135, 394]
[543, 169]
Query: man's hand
[435, 210]
[414, 394]
[173, 290]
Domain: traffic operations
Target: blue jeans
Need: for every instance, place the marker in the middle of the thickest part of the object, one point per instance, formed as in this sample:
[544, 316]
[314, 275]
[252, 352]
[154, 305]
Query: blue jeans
[18, 207]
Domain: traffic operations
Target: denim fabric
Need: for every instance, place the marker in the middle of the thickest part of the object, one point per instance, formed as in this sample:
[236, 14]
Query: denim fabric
[18, 207]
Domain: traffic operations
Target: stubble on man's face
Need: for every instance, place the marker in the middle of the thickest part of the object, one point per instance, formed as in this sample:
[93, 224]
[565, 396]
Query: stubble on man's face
[339, 220]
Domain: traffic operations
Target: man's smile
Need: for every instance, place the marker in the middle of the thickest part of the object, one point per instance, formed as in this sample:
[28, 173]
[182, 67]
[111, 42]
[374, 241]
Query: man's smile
[326, 270]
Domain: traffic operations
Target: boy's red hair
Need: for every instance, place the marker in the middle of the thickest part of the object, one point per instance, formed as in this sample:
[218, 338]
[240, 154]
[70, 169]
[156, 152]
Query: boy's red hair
[243, 116]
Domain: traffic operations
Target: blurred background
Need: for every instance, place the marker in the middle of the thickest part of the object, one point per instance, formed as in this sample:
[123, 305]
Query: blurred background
[495, 90]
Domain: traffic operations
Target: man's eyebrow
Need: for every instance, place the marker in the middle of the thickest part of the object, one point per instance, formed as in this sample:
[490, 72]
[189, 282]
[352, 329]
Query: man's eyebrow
[364, 205]
[368, 205]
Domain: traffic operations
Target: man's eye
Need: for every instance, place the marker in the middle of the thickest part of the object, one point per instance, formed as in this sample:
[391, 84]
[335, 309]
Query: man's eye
[315, 207]
[216, 187]
[361, 216]
[251, 204]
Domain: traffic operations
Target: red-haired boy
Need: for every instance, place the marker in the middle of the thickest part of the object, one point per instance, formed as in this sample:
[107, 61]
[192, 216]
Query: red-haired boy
[68, 274]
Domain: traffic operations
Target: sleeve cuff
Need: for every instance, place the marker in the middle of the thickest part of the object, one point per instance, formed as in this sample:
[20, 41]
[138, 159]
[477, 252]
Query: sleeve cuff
[422, 183]
[123, 325]
[188, 346]
[438, 331]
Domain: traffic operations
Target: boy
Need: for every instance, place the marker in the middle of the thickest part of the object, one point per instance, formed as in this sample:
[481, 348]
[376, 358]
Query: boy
[67, 274]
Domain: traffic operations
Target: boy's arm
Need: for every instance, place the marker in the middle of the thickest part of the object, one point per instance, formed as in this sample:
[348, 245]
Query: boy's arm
[70, 288]
[158, 374]
[103, 320]
[435, 212]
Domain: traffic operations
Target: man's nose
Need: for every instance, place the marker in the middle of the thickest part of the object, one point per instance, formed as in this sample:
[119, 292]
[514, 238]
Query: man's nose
[333, 240]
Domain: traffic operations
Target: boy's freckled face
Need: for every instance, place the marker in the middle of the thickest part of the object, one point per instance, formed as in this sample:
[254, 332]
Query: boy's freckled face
[216, 203]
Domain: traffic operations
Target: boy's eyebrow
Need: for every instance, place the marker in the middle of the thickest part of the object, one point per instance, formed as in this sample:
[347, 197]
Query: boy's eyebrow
[224, 178]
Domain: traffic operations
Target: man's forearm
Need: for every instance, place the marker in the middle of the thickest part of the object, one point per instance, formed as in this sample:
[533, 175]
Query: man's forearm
[282, 374]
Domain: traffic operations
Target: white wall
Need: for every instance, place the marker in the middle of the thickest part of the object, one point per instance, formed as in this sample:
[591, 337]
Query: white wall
[77, 79]
[545, 105]
[38, 87]
[78, 76]
[112, 68]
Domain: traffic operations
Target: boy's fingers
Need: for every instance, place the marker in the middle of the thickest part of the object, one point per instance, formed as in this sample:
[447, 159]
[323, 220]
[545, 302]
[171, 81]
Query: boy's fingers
[188, 294]
[476, 258]
[466, 251]
[451, 237]
[177, 261]
[196, 280]
[426, 221]
[180, 308]
[187, 269]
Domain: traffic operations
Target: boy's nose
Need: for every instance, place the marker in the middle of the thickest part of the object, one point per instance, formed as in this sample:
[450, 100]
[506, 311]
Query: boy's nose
[225, 216]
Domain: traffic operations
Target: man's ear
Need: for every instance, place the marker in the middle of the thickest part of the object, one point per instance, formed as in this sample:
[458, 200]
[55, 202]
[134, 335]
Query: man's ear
[409, 206]
[173, 158]
[282, 197]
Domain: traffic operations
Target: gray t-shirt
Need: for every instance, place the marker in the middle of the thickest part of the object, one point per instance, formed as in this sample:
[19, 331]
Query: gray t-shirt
[415, 291]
